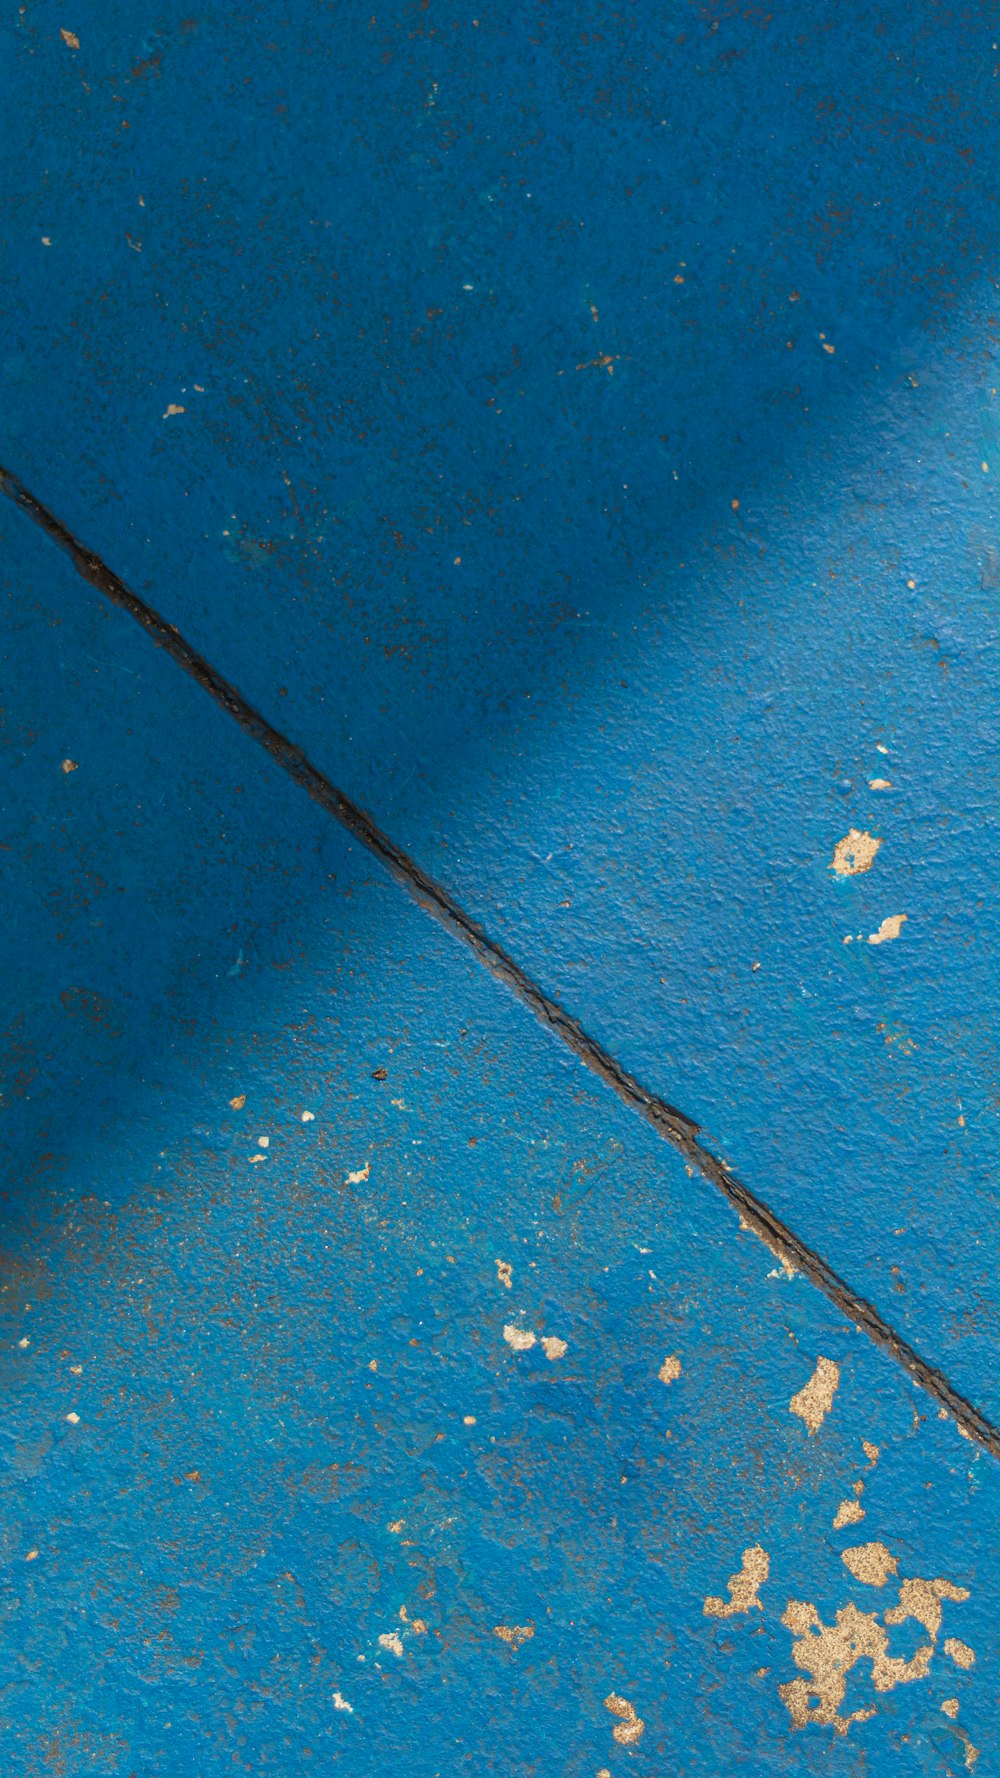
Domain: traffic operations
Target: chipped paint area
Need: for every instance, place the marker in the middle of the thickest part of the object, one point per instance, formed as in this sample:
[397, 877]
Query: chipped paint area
[514, 1634]
[849, 1512]
[855, 853]
[743, 1587]
[553, 1347]
[629, 1728]
[362, 1175]
[890, 928]
[670, 1369]
[505, 1273]
[519, 1339]
[870, 1562]
[814, 1400]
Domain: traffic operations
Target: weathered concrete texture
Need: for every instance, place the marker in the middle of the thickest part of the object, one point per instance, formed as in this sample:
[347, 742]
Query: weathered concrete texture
[380, 1393]
[577, 428]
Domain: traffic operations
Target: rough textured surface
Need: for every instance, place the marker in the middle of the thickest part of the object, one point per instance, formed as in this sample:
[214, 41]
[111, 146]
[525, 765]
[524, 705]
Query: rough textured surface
[279, 1490]
[577, 428]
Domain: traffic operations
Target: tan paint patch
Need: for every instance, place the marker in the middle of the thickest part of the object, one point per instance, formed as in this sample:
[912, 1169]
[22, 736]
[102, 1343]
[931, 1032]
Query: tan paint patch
[173, 409]
[340, 1703]
[519, 1339]
[630, 1728]
[70, 39]
[552, 1347]
[391, 1640]
[849, 1512]
[359, 1178]
[871, 1563]
[879, 784]
[827, 1652]
[854, 853]
[670, 1369]
[238, 1103]
[814, 1401]
[960, 1652]
[890, 928]
[514, 1634]
[872, 1452]
[950, 1707]
[505, 1272]
[921, 1600]
[70, 765]
[743, 1588]
[971, 1753]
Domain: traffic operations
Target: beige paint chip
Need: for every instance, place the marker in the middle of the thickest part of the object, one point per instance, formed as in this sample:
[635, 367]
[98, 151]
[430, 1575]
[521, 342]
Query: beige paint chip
[391, 1640]
[553, 1347]
[871, 1563]
[950, 1707]
[872, 1452]
[360, 1176]
[340, 1703]
[890, 928]
[630, 1726]
[813, 1402]
[743, 1588]
[514, 1634]
[70, 765]
[519, 1339]
[670, 1369]
[879, 784]
[238, 1103]
[70, 39]
[849, 1512]
[505, 1272]
[960, 1652]
[854, 853]
[173, 409]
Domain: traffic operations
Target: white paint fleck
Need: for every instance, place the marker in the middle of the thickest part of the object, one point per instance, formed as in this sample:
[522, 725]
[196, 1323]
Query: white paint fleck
[74, 1419]
[391, 1640]
[308, 1117]
[879, 784]
[359, 1178]
[340, 1703]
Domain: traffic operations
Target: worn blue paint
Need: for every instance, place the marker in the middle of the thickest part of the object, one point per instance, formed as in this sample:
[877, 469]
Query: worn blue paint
[515, 480]
[276, 1363]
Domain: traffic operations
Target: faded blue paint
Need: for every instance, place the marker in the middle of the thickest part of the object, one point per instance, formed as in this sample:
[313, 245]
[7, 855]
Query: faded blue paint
[272, 1457]
[514, 479]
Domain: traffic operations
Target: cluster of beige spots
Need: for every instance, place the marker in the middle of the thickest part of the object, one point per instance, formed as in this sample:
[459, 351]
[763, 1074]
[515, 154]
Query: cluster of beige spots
[814, 1400]
[854, 853]
[514, 1634]
[521, 1339]
[670, 1369]
[826, 1653]
[630, 1725]
[743, 1588]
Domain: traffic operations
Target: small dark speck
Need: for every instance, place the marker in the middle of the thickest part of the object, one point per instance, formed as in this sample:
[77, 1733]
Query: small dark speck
[380, 1074]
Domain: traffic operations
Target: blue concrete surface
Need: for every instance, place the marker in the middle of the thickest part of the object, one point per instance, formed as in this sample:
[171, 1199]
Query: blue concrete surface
[577, 428]
[261, 1411]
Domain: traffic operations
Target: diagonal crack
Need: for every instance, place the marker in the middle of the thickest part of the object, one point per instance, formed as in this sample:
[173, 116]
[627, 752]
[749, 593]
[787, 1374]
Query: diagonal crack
[681, 1131]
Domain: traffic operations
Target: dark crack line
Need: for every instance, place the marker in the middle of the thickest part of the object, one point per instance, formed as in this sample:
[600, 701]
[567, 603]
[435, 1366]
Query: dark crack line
[682, 1132]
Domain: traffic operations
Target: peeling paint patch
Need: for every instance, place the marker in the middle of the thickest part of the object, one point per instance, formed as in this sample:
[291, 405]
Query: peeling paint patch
[849, 1512]
[519, 1339]
[359, 1178]
[871, 1563]
[505, 1273]
[743, 1588]
[813, 1402]
[950, 1707]
[70, 39]
[629, 1729]
[514, 1634]
[959, 1652]
[855, 852]
[890, 928]
[391, 1640]
[670, 1369]
[553, 1347]
[879, 784]
[340, 1703]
